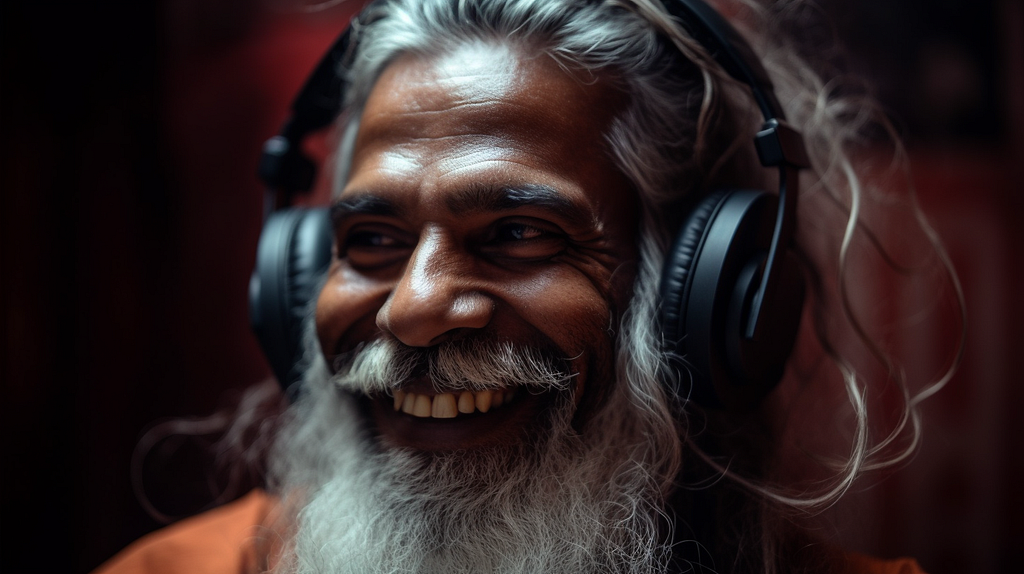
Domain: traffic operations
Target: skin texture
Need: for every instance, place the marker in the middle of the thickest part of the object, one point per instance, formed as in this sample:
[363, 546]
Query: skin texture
[482, 203]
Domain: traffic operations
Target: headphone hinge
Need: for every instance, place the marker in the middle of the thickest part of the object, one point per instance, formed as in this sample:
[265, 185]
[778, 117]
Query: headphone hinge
[779, 143]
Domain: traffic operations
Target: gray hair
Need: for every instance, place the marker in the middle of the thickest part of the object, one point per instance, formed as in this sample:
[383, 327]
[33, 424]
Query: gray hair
[683, 130]
[651, 141]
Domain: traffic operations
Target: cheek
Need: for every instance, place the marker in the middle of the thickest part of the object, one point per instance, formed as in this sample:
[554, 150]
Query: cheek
[571, 310]
[593, 290]
[346, 310]
[577, 317]
[578, 307]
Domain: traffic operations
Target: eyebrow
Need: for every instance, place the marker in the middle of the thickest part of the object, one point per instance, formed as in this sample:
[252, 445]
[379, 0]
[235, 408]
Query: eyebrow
[362, 204]
[507, 198]
[477, 198]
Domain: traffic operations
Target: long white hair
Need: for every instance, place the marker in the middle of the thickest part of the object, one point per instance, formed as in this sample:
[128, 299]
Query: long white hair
[686, 128]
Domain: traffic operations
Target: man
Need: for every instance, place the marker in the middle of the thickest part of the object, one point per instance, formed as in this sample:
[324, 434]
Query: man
[488, 389]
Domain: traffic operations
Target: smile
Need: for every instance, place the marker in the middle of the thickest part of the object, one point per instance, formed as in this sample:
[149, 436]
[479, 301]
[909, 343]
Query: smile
[451, 405]
[419, 417]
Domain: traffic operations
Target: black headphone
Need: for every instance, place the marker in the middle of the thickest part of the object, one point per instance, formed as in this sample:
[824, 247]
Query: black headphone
[731, 293]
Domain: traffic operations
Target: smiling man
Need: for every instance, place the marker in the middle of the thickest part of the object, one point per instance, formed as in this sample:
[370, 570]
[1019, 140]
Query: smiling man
[491, 382]
[479, 216]
[484, 253]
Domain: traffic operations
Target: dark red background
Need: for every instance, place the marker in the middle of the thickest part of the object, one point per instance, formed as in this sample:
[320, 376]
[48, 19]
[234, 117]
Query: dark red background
[130, 213]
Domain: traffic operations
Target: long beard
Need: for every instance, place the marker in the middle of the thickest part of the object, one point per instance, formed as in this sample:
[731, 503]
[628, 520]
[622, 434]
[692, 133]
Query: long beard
[568, 500]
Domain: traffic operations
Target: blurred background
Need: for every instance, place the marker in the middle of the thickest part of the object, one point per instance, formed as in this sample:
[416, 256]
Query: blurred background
[130, 213]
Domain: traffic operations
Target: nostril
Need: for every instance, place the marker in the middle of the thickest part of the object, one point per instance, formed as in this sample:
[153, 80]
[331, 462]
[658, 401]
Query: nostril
[426, 321]
[382, 316]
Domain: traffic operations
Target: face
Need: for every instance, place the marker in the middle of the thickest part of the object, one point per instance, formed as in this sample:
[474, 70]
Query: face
[481, 205]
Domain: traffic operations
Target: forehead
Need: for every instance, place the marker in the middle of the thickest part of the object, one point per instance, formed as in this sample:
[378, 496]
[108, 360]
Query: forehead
[509, 83]
[486, 108]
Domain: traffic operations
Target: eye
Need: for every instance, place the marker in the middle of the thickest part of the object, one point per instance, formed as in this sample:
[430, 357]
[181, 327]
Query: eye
[372, 246]
[524, 239]
[518, 232]
[369, 239]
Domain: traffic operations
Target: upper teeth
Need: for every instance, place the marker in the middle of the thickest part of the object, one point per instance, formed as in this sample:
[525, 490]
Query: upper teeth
[449, 405]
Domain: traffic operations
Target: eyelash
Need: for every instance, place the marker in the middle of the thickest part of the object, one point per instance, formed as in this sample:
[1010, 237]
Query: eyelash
[372, 246]
[369, 239]
[378, 246]
[525, 241]
[522, 229]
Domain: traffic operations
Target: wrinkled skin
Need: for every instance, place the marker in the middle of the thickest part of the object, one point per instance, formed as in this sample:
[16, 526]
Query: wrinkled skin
[482, 203]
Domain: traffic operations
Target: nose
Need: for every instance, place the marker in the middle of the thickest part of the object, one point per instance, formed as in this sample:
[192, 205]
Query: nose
[437, 296]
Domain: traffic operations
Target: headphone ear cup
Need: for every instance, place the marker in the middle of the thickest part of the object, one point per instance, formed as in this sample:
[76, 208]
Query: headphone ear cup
[676, 284]
[757, 365]
[293, 254]
[708, 281]
[676, 279]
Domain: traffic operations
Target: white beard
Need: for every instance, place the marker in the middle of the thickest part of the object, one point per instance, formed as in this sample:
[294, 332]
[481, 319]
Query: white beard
[572, 502]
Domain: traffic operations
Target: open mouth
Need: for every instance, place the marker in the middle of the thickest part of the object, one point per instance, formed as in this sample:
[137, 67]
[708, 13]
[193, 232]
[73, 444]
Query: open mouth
[417, 416]
[451, 405]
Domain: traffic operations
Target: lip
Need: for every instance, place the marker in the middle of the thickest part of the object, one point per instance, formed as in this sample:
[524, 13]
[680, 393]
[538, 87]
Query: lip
[504, 425]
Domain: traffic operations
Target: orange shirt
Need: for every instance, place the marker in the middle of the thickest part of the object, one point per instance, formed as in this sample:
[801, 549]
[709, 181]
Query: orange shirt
[219, 542]
[214, 542]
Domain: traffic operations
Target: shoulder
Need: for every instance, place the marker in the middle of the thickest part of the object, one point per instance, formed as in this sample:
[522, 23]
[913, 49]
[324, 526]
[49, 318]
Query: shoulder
[214, 542]
[861, 564]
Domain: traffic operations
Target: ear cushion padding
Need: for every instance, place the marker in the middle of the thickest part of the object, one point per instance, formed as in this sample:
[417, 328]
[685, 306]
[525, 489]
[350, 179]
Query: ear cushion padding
[723, 235]
[675, 276]
[293, 254]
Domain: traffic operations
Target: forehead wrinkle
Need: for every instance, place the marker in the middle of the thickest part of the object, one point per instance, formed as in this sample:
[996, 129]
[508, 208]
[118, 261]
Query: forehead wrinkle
[506, 198]
[418, 108]
[414, 120]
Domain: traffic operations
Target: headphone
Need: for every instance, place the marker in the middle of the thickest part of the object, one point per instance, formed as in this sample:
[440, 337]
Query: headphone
[731, 292]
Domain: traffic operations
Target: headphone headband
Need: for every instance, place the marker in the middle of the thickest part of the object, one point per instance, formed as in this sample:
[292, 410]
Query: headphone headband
[767, 286]
[729, 49]
[285, 168]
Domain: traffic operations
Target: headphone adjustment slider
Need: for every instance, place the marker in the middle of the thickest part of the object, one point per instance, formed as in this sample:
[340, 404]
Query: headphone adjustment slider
[779, 143]
[284, 167]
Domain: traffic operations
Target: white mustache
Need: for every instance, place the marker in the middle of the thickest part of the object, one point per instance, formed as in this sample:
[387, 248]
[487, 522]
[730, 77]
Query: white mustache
[476, 365]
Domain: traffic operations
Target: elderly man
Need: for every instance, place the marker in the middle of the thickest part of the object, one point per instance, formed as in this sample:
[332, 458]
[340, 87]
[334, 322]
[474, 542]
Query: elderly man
[511, 365]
